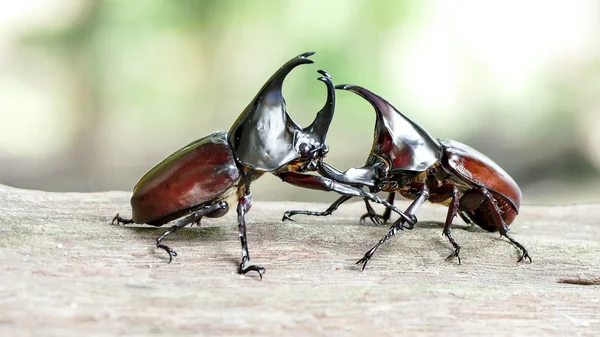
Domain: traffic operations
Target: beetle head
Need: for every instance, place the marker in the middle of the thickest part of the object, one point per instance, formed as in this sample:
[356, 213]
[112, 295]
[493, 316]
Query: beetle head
[404, 143]
[266, 138]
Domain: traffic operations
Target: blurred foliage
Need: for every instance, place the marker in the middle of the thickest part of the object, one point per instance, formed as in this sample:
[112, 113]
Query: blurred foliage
[106, 89]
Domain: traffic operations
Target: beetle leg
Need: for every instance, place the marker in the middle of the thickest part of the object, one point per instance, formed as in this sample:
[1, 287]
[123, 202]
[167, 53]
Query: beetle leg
[326, 184]
[398, 225]
[118, 220]
[439, 195]
[465, 218]
[193, 217]
[375, 218]
[388, 212]
[243, 206]
[288, 214]
[379, 219]
[502, 227]
[363, 176]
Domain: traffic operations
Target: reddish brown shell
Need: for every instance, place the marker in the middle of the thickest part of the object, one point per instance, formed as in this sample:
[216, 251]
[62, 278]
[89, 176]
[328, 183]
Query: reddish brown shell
[196, 174]
[480, 170]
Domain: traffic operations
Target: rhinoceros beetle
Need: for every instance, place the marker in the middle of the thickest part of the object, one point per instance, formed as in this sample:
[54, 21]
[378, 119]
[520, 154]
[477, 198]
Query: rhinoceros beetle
[406, 159]
[199, 179]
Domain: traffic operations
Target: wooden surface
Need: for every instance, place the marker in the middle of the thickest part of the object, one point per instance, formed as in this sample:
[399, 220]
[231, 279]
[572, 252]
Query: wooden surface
[67, 272]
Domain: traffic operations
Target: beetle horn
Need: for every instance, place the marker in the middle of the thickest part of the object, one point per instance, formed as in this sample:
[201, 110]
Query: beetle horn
[262, 137]
[404, 142]
[270, 93]
[386, 112]
[319, 127]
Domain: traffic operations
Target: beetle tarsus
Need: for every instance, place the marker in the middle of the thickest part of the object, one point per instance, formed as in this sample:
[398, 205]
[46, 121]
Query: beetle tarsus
[456, 255]
[377, 219]
[524, 256]
[501, 225]
[118, 220]
[398, 225]
[244, 270]
[332, 208]
[411, 219]
[365, 259]
[287, 216]
[525, 253]
[244, 205]
[168, 249]
[194, 217]
[454, 244]
[259, 269]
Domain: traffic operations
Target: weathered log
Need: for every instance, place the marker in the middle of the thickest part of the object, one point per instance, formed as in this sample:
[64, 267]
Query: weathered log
[66, 271]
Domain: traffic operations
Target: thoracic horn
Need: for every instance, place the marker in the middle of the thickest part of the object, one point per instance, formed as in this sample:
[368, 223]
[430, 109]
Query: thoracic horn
[407, 145]
[263, 135]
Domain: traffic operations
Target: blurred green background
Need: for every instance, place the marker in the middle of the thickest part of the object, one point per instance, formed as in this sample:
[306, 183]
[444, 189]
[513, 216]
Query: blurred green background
[95, 93]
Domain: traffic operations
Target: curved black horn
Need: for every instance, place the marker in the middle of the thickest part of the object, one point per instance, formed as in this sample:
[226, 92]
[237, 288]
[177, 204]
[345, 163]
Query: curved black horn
[263, 135]
[319, 127]
[412, 147]
[271, 90]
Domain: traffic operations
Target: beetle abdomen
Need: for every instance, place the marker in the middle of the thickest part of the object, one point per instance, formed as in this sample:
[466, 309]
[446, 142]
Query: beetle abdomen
[196, 174]
[484, 218]
[475, 167]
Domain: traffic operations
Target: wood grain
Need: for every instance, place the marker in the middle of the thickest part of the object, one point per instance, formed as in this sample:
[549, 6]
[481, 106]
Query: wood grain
[67, 272]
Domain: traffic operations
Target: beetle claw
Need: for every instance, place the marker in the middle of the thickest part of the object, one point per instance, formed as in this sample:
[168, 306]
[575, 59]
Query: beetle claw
[377, 219]
[118, 220]
[259, 269]
[365, 259]
[168, 249]
[525, 256]
[455, 254]
[286, 216]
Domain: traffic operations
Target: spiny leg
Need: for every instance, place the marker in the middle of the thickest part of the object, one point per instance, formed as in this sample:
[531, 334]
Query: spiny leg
[243, 206]
[439, 195]
[398, 225]
[465, 218]
[371, 214]
[388, 212]
[334, 206]
[379, 219]
[502, 225]
[168, 249]
[376, 218]
[118, 220]
[326, 184]
[194, 217]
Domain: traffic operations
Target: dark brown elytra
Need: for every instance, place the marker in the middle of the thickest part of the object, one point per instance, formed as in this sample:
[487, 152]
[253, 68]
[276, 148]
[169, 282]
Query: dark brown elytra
[406, 159]
[203, 177]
